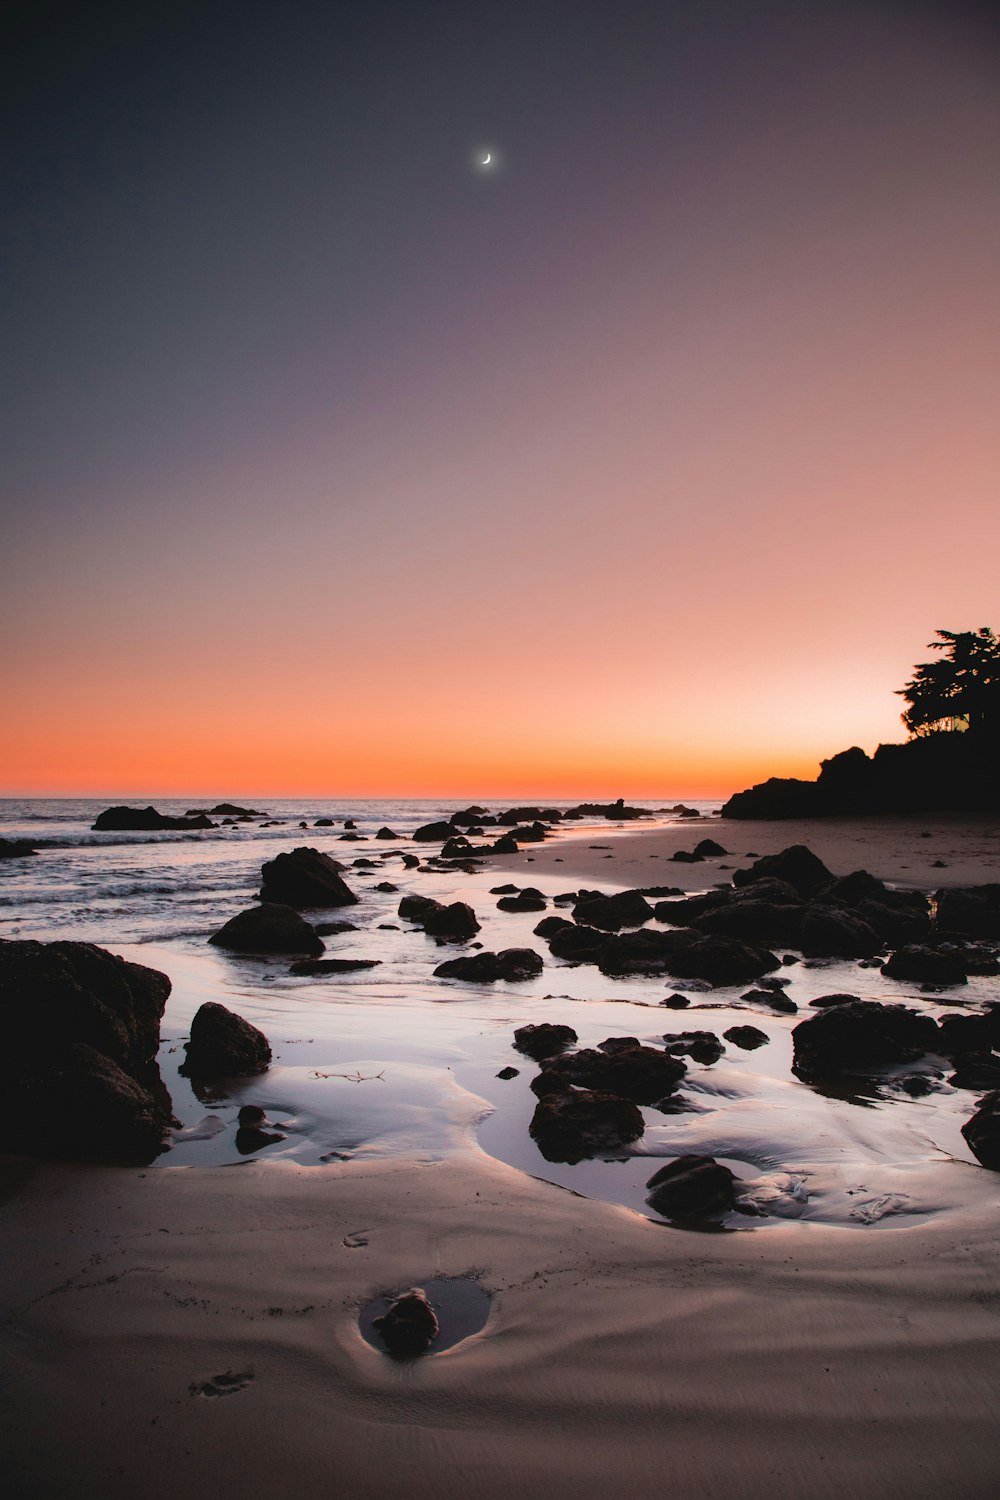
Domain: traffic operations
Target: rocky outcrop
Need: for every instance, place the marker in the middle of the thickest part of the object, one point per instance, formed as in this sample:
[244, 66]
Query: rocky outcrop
[304, 878]
[573, 1126]
[433, 833]
[511, 964]
[269, 928]
[858, 1036]
[223, 1045]
[81, 1031]
[797, 866]
[410, 1326]
[692, 1187]
[145, 820]
[921, 965]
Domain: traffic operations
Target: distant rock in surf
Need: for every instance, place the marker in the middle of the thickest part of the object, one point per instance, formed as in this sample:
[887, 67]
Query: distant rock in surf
[511, 964]
[144, 820]
[16, 848]
[269, 928]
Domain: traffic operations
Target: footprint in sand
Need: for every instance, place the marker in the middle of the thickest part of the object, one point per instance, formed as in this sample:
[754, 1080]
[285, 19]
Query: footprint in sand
[227, 1384]
[356, 1240]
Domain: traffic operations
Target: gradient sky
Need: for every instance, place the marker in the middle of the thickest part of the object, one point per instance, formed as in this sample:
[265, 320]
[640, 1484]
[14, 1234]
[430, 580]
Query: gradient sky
[646, 462]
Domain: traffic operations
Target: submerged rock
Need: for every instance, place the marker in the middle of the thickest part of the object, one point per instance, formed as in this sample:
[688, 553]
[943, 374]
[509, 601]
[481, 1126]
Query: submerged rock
[303, 878]
[268, 928]
[573, 1126]
[223, 1045]
[410, 1326]
[692, 1187]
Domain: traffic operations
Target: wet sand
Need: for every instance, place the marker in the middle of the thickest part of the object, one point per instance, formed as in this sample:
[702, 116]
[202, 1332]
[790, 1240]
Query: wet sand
[195, 1329]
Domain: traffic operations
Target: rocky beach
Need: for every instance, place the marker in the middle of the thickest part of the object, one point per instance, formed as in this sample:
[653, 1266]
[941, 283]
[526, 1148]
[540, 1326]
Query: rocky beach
[753, 1067]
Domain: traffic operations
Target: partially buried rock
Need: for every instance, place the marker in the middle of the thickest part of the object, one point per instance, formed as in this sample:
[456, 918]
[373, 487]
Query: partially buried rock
[982, 1131]
[223, 1045]
[579, 1124]
[387, 833]
[508, 1073]
[486, 968]
[303, 878]
[692, 1187]
[747, 1037]
[410, 1326]
[544, 1039]
[268, 928]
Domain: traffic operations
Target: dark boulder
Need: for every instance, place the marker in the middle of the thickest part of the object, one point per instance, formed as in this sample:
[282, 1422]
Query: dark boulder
[577, 944]
[145, 820]
[797, 865]
[268, 928]
[721, 961]
[692, 1187]
[775, 1000]
[387, 833]
[409, 1327]
[81, 1030]
[709, 849]
[756, 921]
[894, 924]
[747, 1037]
[961, 1034]
[508, 1073]
[834, 932]
[453, 923]
[857, 1037]
[529, 833]
[976, 1070]
[686, 857]
[644, 952]
[778, 797]
[642, 1074]
[549, 926]
[16, 848]
[611, 913]
[415, 908]
[223, 1045]
[510, 964]
[506, 844]
[233, 810]
[574, 1126]
[824, 1002]
[972, 911]
[982, 1131]
[544, 1039]
[920, 965]
[433, 833]
[304, 878]
[523, 902]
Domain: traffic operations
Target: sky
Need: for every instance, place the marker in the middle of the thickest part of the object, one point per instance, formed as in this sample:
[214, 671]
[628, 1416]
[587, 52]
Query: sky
[643, 461]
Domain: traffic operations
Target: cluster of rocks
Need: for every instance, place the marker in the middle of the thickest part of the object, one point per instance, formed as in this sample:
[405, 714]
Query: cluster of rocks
[455, 922]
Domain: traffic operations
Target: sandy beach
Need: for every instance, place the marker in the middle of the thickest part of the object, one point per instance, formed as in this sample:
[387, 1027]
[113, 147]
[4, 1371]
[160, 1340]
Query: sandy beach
[196, 1328]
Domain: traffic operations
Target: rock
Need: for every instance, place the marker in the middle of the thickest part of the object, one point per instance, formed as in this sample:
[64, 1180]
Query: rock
[409, 1327]
[415, 908]
[971, 911]
[333, 965]
[747, 1037]
[510, 964]
[960, 1034]
[81, 1030]
[453, 923]
[982, 1131]
[574, 1126]
[824, 1002]
[686, 857]
[549, 926]
[676, 1002]
[773, 999]
[522, 902]
[857, 1037]
[223, 1045]
[756, 921]
[544, 1039]
[642, 1074]
[304, 878]
[702, 1046]
[507, 1073]
[831, 932]
[577, 944]
[387, 833]
[410, 861]
[692, 1187]
[144, 820]
[797, 865]
[611, 913]
[16, 848]
[920, 965]
[268, 928]
[324, 823]
[977, 1070]
[251, 1114]
[709, 849]
[433, 833]
[531, 833]
[721, 960]
[331, 929]
[233, 810]
[506, 844]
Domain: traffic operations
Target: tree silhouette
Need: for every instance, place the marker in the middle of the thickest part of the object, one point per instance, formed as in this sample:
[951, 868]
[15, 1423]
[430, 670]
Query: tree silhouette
[959, 689]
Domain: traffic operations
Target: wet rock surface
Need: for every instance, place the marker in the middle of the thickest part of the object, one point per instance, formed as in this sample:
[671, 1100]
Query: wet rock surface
[510, 964]
[860, 1035]
[544, 1039]
[304, 878]
[569, 1127]
[410, 1326]
[692, 1187]
[268, 928]
[224, 1045]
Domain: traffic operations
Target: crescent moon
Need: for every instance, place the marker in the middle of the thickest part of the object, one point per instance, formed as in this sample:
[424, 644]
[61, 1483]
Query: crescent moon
[486, 159]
